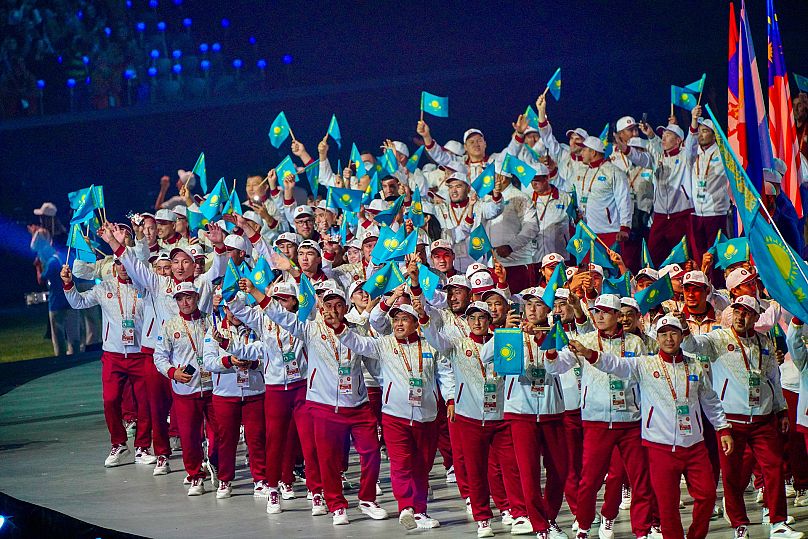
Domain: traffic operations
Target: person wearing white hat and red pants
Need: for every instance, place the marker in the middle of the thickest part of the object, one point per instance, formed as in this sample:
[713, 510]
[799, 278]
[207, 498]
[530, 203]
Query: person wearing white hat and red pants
[711, 201]
[552, 216]
[674, 397]
[413, 373]
[179, 357]
[570, 164]
[797, 340]
[337, 400]
[479, 401]
[122, 311]
[746, 377]
[610, 415]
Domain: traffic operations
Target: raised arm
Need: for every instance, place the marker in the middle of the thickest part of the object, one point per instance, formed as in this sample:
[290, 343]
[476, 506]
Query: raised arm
[620, 367]
[796, 345]
[364, 346]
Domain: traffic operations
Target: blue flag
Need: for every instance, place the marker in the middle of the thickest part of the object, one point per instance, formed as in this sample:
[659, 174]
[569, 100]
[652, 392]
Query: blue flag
[344, 199]
[286, 168]
[802, 82]
[200, 172]
[313, 175]
[428, 281]
[356, 160]
[343, 229]
[306, 298]
[509, 352]
[386, 279]
[518, 168]
[484, 183]
[554, 84]
[557, 280]
[556, 339]
[412, 161]
[196, 221]
[435, 105]
[373, 188]
[679, 254]
[212, 205]
[279, 130]
[389, 161]
[333, 131]
[416, 211]
[386, 217]
[682, 97]
[532, 117]
[646, 256]
[82, 247]
[479, 244]
[230, 281]
[698, 86]
[619, 286]
[731, 252]
[659, 291]
[393, 245]
[261, 275]
[86, 206]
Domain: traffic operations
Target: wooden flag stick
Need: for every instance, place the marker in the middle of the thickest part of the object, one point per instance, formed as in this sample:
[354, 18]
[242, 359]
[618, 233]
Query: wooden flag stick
[292, 134]
[671, 108]
[699, 100]
[67, 261]
[234, 184]
[546, 89]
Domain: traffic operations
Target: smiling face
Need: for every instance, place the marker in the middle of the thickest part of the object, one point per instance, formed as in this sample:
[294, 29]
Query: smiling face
[565, 310]
[360, 299]
[165, 229]
[443, 260]
[367, 247]
[182, 267]
[162, 268]
[458, 298]
[256, 188]
[629, 318]
[458, 191]
[669, 339]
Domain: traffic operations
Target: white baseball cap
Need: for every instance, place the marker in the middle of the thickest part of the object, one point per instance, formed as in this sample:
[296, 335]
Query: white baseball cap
[376, 205]
[404, 308]
[551, 259]
[674, 270]
[159, 256]
[637, 142]
[254, 217]
[284, 288]
[571, 271]
[650, 273]
[541, 169]
[334, 292]
[322, 205]
[48, 209]
[498, 291]
[595, 268]
[624, 123]
[455, 165]
[629, 302]
[708, 123]
[474, 267]
[291, 237]
[748, 302]
[481, 282]
[668, 320]
[673, 128]
[196, 251]
[237, 242]
[532, 292]
[401, 148]
[607, 301]
[165, 215]
[458, 176]
[311, 244]
[739, 276]
[562, 293]
[441, 244]
[471, 132]
[177, 250]
[458, 280]
[180, 211]
[594, 143]
[480, 306]
[580, 131]
[184, 288]
[695, 277]
[356, 285]
[303, 210]
[454, 147]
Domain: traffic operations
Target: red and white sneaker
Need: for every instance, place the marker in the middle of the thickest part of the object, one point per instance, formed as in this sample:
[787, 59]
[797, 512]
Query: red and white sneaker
[143, 455]
[274, 502]
[260, 489]
[318, 507]
[118, 455]
[161, 467]
[225, 490]
[287, 492]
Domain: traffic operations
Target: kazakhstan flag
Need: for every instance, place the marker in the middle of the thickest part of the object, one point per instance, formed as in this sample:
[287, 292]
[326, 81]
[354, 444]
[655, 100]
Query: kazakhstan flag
[435, 105]
[306, 298]
[655, 294]
[509, 353]
[479, 244]
[484, 183]
[385, 280]
[518, 168]
[682, 97]
[556, 339]
[345, 199]
[554, 84]
[279, 130]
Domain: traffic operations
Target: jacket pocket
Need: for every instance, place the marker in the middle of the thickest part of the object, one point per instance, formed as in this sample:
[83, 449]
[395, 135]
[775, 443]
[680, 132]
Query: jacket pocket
[609, 215]
[724, 389]
[311, 378]
[583, 403]
[650, 415]
[387, 393]
[459, 392]
[510, 388]
[698, 422]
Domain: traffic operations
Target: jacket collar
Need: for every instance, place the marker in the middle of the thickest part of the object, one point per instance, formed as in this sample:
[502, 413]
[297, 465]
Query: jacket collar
[196, 315]
[676, 358]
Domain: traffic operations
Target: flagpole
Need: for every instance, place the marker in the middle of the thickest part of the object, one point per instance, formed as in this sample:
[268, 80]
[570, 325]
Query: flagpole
[67, 261]
[291, 133]
[698, 102]
[544, 93]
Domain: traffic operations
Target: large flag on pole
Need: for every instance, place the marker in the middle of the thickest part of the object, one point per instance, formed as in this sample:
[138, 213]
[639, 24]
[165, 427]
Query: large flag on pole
[732, 84]
[781, 117]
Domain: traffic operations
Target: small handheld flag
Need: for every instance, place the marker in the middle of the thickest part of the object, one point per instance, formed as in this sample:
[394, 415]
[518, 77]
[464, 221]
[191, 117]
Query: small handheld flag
[509, 352]
[333, 131]
[230, 281]
[479, 244]
[428, 281]
[648, 298]
[345, 199]
[356, 161]
[386, 217]
[196, 221]
[620, 286]
[518, 168]
[412, 162]
[261, 275]
[201, 173]
[279, 131]
[306, 298]
[416, 211]
[484, 183]
[313, 175]
[732, 252]
[802, 82]
[557, 280]
[286, 168]
[389, 161]
[554, 84]
[212, 205]
[386, 279]
[681, 97]
[435, 105]
[679, 254]
[698, 86]
[532, 117]
[646, 256]
[556, 339]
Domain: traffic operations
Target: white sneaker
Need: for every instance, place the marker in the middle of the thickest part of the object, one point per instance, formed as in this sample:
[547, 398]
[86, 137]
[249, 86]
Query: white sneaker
[225, 490]
[469, 510]
[341, 517]
[742, 532]
[187, 480]
[197, 487]
[426, 522]
[507, 518]
[318, 505]
[767, 522]
[484, 529]
[161, 467]
[174, 443]
[287, 492]
[407, 518]
[309, 495]
[790, 490]
[521, 526]
[598, 518]
[214, 473]
[554, 531]
[131, 429]
[450, 475]
[801, 499]
[273, 501]
[118, 455]
[373, 510]
[783, 530]
[143, 455]
[655, 532]
[379, 488]
[575, 525]
[606, 529]
[260, 489]
[759, 495]
[625, 498]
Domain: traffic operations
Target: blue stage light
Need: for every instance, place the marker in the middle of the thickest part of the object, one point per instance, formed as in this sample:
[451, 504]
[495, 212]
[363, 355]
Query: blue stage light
[287, 59]
[153, 4]
[41, 85]
[161, 26]
[152, 71]
[203, 47]
[87, 80]
[262, 64]
[225, 23]
[237, 63]
[141, 26]
[155, 54]
[129, 74]
[2, 521]
[129, 4]
[186, 22]
[252, 40]
[108, 31]
[216, 47]
[85, 60]
[71, 83]
[205, 65]
[177, 54]
[59, 59]
[177, 69]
